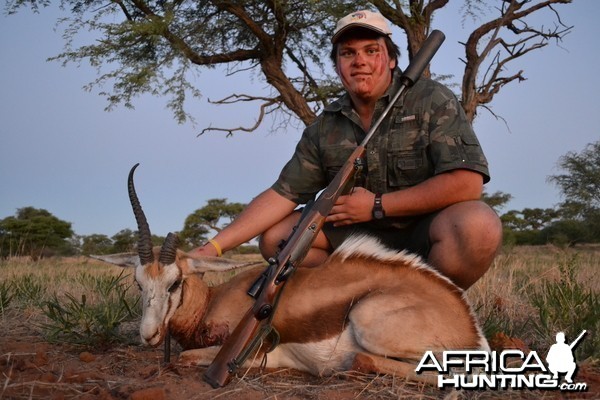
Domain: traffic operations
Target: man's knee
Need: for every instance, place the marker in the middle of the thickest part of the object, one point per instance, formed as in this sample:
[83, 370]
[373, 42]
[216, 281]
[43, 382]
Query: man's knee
[271, 240]
[488, 226]
[468, 222]
[465, 238]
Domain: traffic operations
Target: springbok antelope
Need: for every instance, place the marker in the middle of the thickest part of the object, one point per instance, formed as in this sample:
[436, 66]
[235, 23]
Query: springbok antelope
[366, 308]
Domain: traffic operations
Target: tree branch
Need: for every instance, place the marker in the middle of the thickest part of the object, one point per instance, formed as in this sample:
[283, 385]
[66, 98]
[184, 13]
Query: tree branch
[235, 98]
[512, 16]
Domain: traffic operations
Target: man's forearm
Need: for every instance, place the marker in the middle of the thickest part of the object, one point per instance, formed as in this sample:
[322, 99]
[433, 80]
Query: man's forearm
[434, 194]
[263, 212]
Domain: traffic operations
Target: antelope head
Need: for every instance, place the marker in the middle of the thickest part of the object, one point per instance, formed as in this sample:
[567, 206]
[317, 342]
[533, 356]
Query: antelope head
[159, 278]
[161, 274]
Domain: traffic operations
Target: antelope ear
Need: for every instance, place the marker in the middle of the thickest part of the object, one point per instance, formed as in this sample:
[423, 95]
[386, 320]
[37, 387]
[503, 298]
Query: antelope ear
[203, 264]
[120, 259]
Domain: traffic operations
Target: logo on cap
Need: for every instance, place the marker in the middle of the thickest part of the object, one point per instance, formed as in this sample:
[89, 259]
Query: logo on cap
[363, 19]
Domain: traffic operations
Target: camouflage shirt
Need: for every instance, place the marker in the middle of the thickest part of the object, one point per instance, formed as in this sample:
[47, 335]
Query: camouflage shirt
[426, 133]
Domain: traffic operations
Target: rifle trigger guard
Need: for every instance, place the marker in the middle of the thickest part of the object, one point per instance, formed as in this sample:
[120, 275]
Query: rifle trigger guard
[359, 164]
[285, 273]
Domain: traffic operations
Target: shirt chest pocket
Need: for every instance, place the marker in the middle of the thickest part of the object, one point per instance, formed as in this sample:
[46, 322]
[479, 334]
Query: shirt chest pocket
[334, 156]
[407, 167]
[407, 162]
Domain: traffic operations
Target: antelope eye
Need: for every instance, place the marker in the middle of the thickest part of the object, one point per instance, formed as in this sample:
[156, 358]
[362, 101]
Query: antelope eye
[174, 286]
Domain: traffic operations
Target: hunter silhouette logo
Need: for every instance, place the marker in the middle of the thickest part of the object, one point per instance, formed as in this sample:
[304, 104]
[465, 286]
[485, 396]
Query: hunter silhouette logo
[560, 357]
[508, 369]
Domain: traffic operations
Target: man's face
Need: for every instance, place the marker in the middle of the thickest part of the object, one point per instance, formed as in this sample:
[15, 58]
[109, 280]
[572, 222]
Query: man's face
[365, 68]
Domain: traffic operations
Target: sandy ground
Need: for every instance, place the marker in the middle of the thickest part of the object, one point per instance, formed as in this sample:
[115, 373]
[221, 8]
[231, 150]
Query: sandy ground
[31, 368]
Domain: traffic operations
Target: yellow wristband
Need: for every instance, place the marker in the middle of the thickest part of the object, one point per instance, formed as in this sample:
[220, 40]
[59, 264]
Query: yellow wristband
[216, 246]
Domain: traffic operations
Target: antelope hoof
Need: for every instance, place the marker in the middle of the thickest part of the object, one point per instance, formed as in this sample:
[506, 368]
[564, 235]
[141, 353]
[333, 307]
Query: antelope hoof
[196, 357]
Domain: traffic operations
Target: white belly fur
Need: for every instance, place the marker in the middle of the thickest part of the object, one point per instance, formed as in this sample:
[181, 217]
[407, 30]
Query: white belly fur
[317, 358]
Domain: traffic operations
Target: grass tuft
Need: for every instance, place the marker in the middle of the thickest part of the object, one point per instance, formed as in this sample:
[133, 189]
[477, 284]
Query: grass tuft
[6, 295]
[29, 290]
[566, 305]
[75, 320]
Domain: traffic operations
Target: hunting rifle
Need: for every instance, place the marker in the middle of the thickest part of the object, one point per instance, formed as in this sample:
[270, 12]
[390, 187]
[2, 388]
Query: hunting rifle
[255, 325]
[574, 343]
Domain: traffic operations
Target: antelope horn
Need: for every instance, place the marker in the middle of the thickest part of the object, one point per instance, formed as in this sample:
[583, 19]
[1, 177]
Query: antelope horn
[144, 236]
[169, 249]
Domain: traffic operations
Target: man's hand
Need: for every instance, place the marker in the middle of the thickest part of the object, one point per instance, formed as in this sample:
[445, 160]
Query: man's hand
[352, 208]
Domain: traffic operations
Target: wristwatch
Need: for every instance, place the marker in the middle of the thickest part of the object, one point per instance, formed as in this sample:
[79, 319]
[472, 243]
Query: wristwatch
[378, 212]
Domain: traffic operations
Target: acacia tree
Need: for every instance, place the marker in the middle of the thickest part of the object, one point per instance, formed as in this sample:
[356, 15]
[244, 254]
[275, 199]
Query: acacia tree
[123, 241]
[496, 200]
[96, 244]
[210, 217]
[34, 232]
[505, 34]
[154, 45]
[580, 180]
[580, 187]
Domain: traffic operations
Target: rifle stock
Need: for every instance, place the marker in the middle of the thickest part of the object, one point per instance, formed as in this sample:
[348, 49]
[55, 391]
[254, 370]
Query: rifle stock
[219, 372]
[245, 338]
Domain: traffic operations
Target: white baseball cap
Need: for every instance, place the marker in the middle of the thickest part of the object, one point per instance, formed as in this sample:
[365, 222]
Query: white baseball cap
[364, 19]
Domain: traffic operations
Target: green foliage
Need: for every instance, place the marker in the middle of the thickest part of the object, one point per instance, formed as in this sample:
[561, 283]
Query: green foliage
[124, 241]
[529, 219]
[33, 232]
[247, 249]
[580, 184]
[524, 227]
[496, 200]
[567, 232]
[96, 244]
[577, 220]
[580, 187]
[494, 321]
[75, 320]
[156, 47]
[567, 306]
[6, 295]
[210, 217]
[29, 289]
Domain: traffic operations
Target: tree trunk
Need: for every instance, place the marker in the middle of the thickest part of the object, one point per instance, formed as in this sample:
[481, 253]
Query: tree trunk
[290, 97]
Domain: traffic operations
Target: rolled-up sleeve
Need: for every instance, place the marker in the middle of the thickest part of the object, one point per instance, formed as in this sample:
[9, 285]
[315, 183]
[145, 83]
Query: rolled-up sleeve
[303, 176]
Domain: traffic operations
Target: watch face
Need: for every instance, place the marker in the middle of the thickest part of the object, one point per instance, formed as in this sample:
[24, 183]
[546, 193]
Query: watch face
[378, 214]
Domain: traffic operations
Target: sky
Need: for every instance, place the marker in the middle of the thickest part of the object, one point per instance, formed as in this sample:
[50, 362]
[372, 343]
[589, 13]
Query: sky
[61, 151]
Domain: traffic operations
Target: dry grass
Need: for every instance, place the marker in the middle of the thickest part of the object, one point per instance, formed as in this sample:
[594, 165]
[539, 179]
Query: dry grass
[59, 275]
[503, 297]
[516, 271]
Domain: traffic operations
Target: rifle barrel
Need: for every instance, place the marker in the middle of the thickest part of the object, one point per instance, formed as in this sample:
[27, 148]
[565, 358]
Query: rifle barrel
[574, 343]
